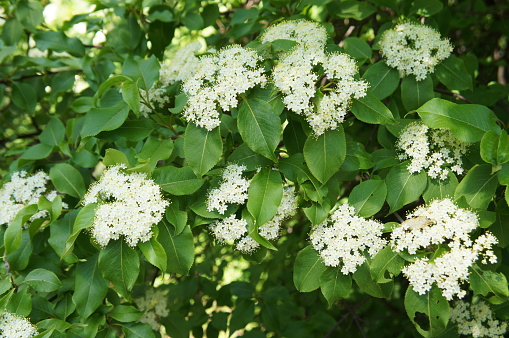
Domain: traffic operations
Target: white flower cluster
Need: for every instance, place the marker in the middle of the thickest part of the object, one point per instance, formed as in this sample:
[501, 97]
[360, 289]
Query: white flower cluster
[343, 239]
[414, 49]
[183, 64]
[14, 326]
[295, 76]
[476, 320]
[23, 190]
[442, 223]
[304, 32]
[435, 150]
[155, 306]
[232, 229]
[128, 205]
[233, 189]
[217, 82]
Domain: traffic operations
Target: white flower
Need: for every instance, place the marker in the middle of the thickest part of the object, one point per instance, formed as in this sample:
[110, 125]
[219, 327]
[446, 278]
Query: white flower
[217, 82]
[228, 229]
[304, 32]
[14, 326]
[296, 76]
[435, 150]
[128, 205]
[476, 320]
[233, 189]
[155, 306]
[343, 239]
[156, 95]
[183, 64]
[442, 223]
[414, 49]
[23, 190]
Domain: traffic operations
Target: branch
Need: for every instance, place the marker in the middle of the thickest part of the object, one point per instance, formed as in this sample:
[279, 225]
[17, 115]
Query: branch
[461, 97]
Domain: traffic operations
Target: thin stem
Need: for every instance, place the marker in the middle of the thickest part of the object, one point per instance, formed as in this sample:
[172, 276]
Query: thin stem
[438, 90]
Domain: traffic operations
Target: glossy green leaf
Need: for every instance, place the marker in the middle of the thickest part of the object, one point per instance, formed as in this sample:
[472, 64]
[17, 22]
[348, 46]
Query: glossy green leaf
[467, 122]
[264, 195]
[43, 280]
[103, 119]
[386, 261]
[334, 284]
[53, 132]
[368, 197]
[138, 330]
[325, 154]
[176, 217]
[177, 181]
[478, 186]
[308, 268]
[120, 264]
[370, 109]
[453, 73]
[426, 7]
[90, 287]
[131, 96]
[12, 236]
[383, 80]
[439, 189]
[357, 48]
[403, 187]
[68, 180]
[495, 147]
[155, 150]
[357, 157]
[243, 155]
[125, 313]
[415, 93]
[24, 96]
[202, 148]
[144, 72]
[179, 249]
[114, 157]
[433, 305]
[154, 251]
[364, 281]
[484, 282]
[259, 127]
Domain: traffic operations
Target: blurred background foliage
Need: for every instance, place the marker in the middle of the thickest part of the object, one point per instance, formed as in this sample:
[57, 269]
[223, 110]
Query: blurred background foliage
[53, 54]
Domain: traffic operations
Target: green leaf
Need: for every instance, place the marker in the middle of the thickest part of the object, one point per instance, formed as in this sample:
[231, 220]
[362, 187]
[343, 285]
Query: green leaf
[144, 72]
[68, 180]
[500, 228]
[90, 287]
[294, 169]
[154, 251]
[138, 330]
[43, 280]
[317, 213]
[112, 81]
[84, 220]
[259, 127]
[53, 132]
[125, 313]
[176, 325]
[368, 197]
[415, 93]
[383, 80]
[131, 96]
[426, 7]
[242, 314]
[19, 258]
[179, 249]
[403, 187]
[334, 284]
[58, 42]
[294, 136]
[355, 10]
[155, 150]
[20, 303]
[101, 119]
[177, 181]
[357, 48]
[282, 45]
[120, 264]
[495, 147]
[370, 109]
[467, 122]
[439, 189]
[433, 305]
[325, 154]
[202, 148]
[484, 282]
[357, 157]
[308, 268]
[176, 217]
[132, 130]
[243, 155]
[252, 231]
[363, 279]
[264, 195]
[114, 157]
[12, 236]
[453, 73]
[478, 186]
[37, 152]
[24, 96]
[386, 260]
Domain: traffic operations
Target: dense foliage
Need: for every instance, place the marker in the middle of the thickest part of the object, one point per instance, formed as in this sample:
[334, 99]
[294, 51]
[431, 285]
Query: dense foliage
[254, 168]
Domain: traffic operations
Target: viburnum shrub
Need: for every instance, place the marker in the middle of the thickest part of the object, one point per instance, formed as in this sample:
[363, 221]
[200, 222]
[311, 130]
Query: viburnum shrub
[267, 168]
